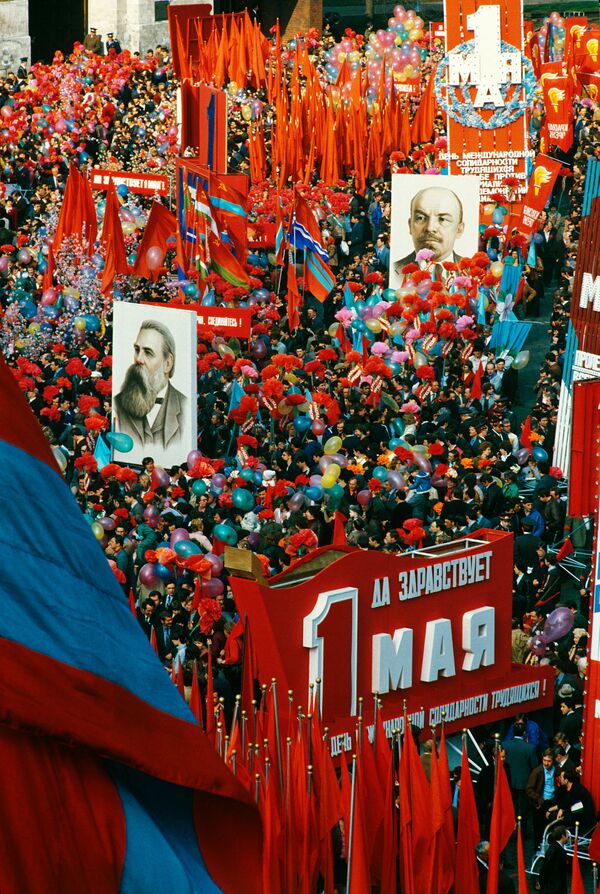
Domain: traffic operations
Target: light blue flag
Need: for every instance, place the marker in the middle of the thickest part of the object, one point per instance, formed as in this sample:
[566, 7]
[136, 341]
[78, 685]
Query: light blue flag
[237, 393]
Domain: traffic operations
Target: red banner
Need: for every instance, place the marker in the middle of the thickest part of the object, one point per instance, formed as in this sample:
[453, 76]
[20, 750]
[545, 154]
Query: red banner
[204, 125]
[541, 183]
[585, 300]
[234, 322]
[431, 627]
[586, 52]
[481, 67]
[575, 29]
[558, 104]
[583, 477]
[590, 82]
[145, 183]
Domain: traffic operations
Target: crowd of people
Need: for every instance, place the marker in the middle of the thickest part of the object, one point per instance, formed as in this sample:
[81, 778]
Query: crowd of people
[428, 445]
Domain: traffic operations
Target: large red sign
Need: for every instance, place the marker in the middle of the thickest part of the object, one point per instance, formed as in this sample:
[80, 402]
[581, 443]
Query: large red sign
[484, 79]
[432, 628]
[541, 184]
[145, 183]
[235, 322]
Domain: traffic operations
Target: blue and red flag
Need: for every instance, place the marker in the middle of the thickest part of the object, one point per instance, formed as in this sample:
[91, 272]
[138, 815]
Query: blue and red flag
[318, 278]
[108, 783]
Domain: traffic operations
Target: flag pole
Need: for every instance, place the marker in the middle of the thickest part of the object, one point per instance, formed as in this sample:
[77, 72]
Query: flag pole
[351, 829]
[274, 690]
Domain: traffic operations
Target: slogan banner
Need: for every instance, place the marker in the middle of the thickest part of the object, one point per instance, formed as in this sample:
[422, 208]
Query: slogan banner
[235, 322]
[145, 184]
[430, 629]
[204, 125]
[590, 82]
[485, 84]
[585, 301]
[558, 105]
[531, 47]
[541, 184]
[575, 29]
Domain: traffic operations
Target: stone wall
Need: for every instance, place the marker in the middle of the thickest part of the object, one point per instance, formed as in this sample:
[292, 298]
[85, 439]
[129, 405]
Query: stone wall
[14, 34]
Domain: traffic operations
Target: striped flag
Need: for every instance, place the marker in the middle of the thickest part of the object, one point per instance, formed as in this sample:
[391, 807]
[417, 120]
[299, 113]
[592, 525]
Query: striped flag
[225, 264]
[318, 278]
[97, 743]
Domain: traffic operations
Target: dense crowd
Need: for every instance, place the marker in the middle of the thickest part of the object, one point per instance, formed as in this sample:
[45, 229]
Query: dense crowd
[427, 442]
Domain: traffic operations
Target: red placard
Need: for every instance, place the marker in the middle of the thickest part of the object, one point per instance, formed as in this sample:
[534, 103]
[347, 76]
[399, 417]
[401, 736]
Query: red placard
[541, 184]
[502, 151]
[558, 106]
[204, 125]
[583, 477]
[431, 627]
[145, 183]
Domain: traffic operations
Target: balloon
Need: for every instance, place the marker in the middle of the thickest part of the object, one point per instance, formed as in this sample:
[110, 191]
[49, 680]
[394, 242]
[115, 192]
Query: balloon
[396, 480]
[318, 427]
[122, 190]
[521, 360]
[496, 269]
[296, 502]
[242, 499]
[225, 534]
[192, 456]
[108, 523]
[380, 472]
[4, 265]
[213, 587]
[539, 454]
[364, 497]
[332, 445]
[163, 573]
[219, 480]
[177, 535]
[147, 575]
[154, 258]
[247, 474]
[24, 257]
[160, 478]
[216, 562]
[199, 487]
[61, 459]
[558, 623]
[49, 296]
[259, 349]
[302, 423]
[314, 493]
[97, 531]
[522, 455]
[185, 548]
[120, 441]
[422, 463]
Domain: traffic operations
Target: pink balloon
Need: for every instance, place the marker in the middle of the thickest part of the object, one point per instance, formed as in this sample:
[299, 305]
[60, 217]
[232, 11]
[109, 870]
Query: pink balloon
[162, 478]
[5, 265]
[340, 459]
[216, 562]
[317, 427]
[108, 523]
[422, 463]
[219, 480]
[364, 497]
[49, 297]
[179, 534]
[396, 480]
[192, 456]
[325, 461]
[154, 258]
[314, 480]
[558, 623]
[150, 512]
[148, 575]
[213, 587]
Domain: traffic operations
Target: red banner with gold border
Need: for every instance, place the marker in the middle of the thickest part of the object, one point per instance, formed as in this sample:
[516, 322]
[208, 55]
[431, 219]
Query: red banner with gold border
[558, 105]
[541, 183]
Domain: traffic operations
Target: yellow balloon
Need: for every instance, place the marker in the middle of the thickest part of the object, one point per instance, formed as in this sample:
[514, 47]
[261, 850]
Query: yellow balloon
[79, 324]
[33, 327]
[225, 351]
[328, 481]
[333, 470]
[333, 329]
[97, 531]
[496, 269]
[129, 227]
[395, 329]
[332, 446]
[373, 325]
[419, 448]
[246, 113]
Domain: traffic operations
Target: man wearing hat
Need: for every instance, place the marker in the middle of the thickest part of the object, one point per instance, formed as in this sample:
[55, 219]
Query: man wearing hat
[23, 69]
[93, 42]
[112, 44]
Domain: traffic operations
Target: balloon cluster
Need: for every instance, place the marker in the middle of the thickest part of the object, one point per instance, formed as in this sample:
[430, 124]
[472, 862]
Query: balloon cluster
[393, 53]
[557, 624]
[553, 33]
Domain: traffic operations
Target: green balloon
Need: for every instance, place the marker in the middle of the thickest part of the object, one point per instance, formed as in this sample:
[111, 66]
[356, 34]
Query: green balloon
[186, 548]
[242, 499]
[199, 487]
[120, 441]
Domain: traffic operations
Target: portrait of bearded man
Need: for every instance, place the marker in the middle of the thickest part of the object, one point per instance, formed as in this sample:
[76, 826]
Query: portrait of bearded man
[148, 407]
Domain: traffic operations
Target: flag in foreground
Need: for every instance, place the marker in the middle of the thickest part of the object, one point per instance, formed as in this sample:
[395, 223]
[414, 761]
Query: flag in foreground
[108, 783]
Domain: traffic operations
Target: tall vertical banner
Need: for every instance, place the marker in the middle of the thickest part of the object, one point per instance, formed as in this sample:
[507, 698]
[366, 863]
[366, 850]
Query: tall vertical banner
[485, 84]
[541, 183]
[558, 106]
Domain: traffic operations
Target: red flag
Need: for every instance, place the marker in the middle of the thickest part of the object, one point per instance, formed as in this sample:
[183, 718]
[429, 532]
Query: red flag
[442, 863]
[132, 602]
[576, 879]
[502, 825]
[526, 434]
[359, 878]
[305, 216]
[109, 271]
[406, 855]
[389, 874]
[566, 550]
[160, 226]
[521, 874]
[339, 532]
[294, 298]
[422, 126]
[89, 212]
[420, 806]
[180, 683]
[67, 208]
[112, 229]
[48, 277]
[248, 673]
[153, 642]
[476, 391]
[209, 725]
[271, 838]
[468, 831]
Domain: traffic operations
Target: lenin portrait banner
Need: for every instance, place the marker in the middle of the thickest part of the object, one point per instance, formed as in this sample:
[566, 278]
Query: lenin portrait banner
[429, 211]
[154, 396]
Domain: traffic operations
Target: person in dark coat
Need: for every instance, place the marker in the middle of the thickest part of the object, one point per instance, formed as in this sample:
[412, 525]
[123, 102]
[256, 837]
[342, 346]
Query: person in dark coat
[521, 757]
[553, 874]
[505, 884]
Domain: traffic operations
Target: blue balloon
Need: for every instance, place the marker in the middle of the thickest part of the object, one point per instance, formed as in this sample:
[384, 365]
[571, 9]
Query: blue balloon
[120, 441]
[314, 492]
[497, 217]
[257, 478]
[191, 290]
[380, 472]
[492, 254]
[209, 299]
[122, 190]
[225, 534]
[302, 423]
[162, 572]
[187, 548]
[28, 310]
[199, 487]
[247, 474]
[51, 312]
[539, 454]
